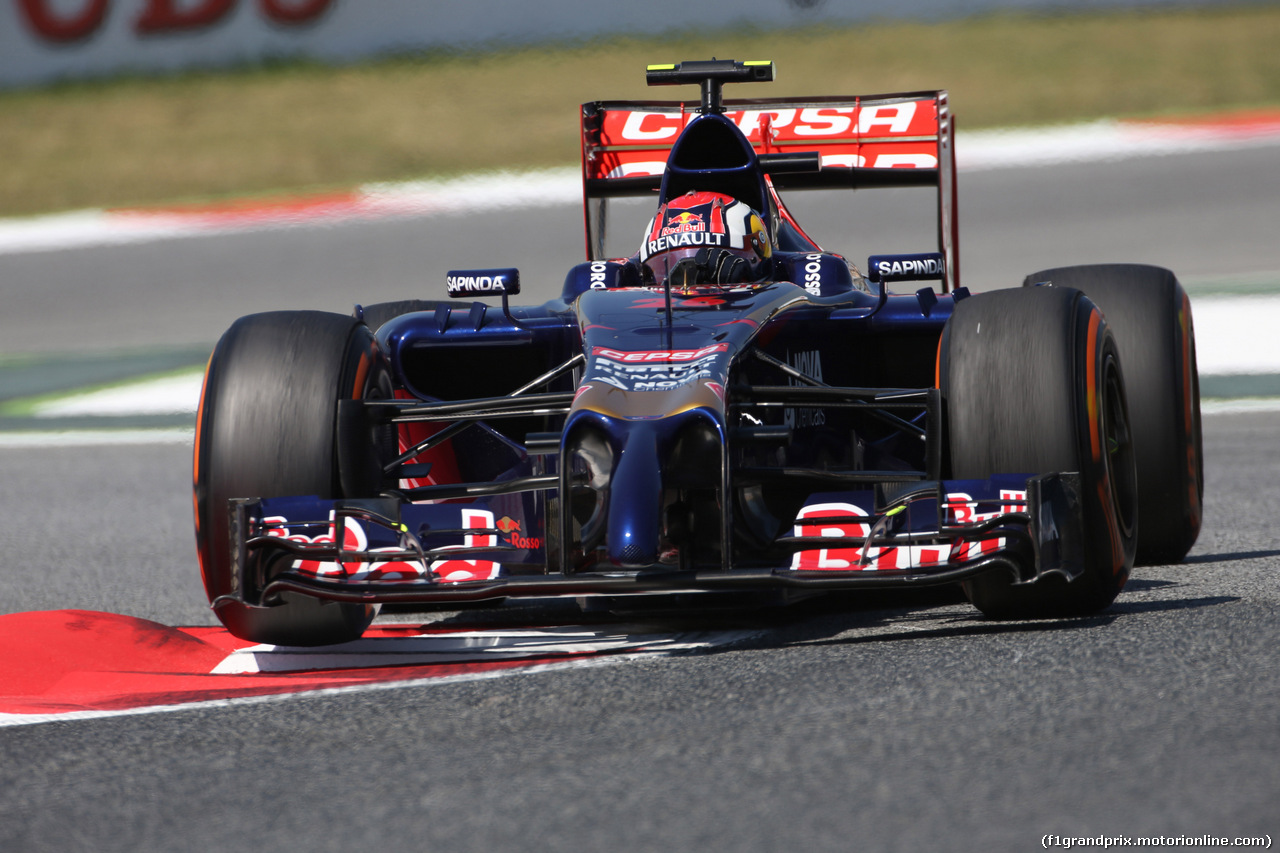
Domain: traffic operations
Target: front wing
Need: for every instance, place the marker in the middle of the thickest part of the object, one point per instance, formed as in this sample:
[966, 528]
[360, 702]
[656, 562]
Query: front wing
[494, 546]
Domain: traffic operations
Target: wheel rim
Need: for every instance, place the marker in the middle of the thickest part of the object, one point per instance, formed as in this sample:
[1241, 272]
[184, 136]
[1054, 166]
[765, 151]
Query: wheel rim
[1118, 445]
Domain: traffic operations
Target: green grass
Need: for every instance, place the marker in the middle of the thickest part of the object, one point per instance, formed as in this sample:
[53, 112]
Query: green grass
[303, 127]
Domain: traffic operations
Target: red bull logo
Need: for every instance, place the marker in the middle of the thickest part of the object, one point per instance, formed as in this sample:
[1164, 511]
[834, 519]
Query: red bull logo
[682, 222]
[510, 528]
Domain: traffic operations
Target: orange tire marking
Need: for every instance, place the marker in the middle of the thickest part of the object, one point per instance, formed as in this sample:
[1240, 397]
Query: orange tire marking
[1091, 386]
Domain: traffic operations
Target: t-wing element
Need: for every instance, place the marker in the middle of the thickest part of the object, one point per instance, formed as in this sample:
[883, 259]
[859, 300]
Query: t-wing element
[711, 75]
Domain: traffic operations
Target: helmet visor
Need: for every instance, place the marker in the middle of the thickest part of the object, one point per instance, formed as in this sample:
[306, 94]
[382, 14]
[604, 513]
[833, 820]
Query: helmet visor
[661, 265]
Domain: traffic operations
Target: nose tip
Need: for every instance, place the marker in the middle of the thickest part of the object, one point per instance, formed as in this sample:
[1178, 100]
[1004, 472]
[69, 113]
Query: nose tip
[634, 555]
[636, 502]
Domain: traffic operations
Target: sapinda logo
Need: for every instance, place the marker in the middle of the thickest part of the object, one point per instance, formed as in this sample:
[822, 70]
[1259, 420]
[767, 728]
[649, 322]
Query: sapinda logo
[476, 283]
[910, 267]
[907, 267]
[66, 22]
[462, 282]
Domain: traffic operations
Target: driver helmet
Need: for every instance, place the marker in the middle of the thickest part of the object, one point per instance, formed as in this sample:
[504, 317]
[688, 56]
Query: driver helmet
[718, 225]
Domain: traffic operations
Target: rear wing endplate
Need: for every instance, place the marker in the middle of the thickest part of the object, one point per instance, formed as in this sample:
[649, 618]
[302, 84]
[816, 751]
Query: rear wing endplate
[898, 140]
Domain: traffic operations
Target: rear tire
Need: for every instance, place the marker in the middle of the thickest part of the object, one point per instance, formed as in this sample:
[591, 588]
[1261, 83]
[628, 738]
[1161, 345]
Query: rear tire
[267, 427]
[1032, 384]
[1150, 316]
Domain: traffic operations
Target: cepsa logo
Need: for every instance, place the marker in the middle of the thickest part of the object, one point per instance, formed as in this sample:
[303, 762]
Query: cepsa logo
[657, 355]
[808, 122]
[68, 22]
[654, 370]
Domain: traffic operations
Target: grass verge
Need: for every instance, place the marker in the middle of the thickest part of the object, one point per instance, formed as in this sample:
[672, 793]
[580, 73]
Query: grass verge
[306, 127]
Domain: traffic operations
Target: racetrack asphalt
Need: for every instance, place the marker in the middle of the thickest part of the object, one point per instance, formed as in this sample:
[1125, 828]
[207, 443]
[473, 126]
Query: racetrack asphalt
[882, 723]
[900, 722]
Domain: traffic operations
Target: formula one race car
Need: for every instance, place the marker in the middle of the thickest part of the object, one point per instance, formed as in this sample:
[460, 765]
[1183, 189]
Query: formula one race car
[731, 410]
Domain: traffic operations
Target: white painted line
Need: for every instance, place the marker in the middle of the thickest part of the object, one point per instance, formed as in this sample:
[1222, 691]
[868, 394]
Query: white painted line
[79, 228]
[1236, 334]
[466, 647]
[95, 438]
[1101, 141]
[1241, 406]
[468, 194]
[474, 193]
[34, 719]
[448, 648]
[169, 395]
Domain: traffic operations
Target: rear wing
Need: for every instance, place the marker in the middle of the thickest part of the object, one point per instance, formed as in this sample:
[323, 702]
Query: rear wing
[811, 143]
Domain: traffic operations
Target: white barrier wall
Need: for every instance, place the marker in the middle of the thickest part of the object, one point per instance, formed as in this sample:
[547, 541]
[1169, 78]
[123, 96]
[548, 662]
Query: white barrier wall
[47, 40]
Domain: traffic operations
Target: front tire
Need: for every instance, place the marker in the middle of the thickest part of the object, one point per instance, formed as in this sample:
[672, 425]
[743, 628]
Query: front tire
[1150, 316]
[377, 314]
[267, 427]
[1032, 384]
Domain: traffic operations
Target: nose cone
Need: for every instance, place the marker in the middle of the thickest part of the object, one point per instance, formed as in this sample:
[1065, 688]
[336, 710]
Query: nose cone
[636, 503]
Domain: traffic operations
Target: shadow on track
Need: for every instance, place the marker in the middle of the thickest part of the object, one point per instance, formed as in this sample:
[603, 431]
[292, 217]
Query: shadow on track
[872, 616]
[1226, 558]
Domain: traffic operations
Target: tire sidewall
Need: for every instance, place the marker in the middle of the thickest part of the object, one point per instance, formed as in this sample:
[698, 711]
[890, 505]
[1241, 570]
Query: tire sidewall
[1110, 504]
